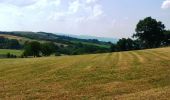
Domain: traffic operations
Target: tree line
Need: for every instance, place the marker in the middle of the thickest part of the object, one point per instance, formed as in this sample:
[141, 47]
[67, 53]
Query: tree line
[38, 49]
[9, 43]
[150, 33]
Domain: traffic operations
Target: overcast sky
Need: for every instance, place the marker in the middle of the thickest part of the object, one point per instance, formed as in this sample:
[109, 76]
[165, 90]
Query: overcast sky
[103, 18]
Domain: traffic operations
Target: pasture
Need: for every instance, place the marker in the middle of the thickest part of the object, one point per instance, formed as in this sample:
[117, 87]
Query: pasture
[15, 52]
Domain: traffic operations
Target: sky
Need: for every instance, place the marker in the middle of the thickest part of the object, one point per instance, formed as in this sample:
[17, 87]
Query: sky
[102, 18]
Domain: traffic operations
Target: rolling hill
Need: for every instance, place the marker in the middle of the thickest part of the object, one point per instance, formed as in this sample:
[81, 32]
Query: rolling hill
[57, 38]
[64, 45]
[129, 75]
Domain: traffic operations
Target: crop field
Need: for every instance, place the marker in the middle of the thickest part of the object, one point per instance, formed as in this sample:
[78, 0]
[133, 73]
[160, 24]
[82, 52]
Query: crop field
[128, 75]
[15, 52]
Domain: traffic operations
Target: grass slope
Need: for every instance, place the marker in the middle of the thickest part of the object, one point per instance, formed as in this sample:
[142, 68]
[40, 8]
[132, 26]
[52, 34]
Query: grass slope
[15, 52]
[22, 40]
[123, 75]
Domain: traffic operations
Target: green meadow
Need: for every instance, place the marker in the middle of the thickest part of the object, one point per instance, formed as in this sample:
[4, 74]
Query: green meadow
[15, 52]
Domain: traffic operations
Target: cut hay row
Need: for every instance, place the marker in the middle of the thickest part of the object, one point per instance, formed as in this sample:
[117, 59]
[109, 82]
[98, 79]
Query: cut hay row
[121, 75]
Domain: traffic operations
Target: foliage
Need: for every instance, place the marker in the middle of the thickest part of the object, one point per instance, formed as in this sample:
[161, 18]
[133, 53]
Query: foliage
[125, 44]
[167, 38]
[113, 47]
[150, 32]
[8, 55]
[81, 48]
[32, 49]
[48, 48]
[9, 43]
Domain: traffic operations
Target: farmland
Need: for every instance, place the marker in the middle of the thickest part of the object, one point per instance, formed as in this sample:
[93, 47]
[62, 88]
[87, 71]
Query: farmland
[142, 74]
[15, 52]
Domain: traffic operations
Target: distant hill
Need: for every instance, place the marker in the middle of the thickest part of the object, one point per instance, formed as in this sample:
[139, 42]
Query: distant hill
[104, 39]
[62, 38]
[67, 45]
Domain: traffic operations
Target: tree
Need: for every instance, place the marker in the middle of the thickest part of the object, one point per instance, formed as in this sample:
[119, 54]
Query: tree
[150, 32]
[14, 44]
[125, 44]
[48, 48]
[167, 38]
[6, 43]
[113, 47]
[32, 49]
[8, 55]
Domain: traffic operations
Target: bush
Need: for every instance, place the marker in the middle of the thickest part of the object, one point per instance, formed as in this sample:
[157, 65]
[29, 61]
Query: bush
[8, 55]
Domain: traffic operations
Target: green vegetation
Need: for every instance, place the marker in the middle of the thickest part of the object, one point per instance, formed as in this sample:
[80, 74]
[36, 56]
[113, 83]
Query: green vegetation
[93, 44]
[37, 49]
[15, 52]
[9, 43]
[150, 33]
[128, 75]
[142, 74]
[64, 45]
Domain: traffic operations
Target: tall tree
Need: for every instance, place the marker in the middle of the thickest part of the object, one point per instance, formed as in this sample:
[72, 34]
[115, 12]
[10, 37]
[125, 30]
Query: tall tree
[32, 49]
[150, 32]
[48, 48]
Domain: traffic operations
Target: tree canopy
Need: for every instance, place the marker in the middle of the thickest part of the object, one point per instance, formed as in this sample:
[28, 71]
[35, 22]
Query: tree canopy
[32, 49]
[150, 32]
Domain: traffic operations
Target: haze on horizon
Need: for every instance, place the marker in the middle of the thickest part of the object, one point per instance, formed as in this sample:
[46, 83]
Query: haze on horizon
[102, 18]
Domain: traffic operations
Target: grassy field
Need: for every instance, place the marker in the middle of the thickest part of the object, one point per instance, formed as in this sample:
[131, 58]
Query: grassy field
[93, 44]
[15, 52]
[130, 75]
[22, 40]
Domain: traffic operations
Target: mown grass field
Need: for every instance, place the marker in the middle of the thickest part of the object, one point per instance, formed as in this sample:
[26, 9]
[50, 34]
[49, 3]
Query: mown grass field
[129, 75]
[15, 52]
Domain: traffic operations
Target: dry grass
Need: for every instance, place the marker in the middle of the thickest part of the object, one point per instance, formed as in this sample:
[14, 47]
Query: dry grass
[11, 36]
[130, 75]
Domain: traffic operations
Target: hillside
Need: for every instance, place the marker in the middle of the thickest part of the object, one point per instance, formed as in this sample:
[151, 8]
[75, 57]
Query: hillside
[59, 39]
[122, 75]
[15, 52]
[63, 45]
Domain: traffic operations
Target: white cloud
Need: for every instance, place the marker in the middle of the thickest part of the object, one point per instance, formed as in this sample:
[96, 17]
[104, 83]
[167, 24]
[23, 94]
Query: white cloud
[45, 4]
[91, 1]
[97, 10]
[71, 16]
[74, 6]
[166, 4]
[20, 3]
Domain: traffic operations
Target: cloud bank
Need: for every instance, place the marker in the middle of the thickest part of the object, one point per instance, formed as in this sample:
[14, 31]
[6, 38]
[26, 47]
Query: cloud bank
[69, 16]
[109, 18]
[166, 4]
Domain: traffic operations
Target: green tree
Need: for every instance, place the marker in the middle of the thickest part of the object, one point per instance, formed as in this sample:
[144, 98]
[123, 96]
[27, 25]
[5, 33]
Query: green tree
[32, 49]
[113, 47]
[167, 38]
[14, 44]
[125, 44]
[150, 32]
[48, 48]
